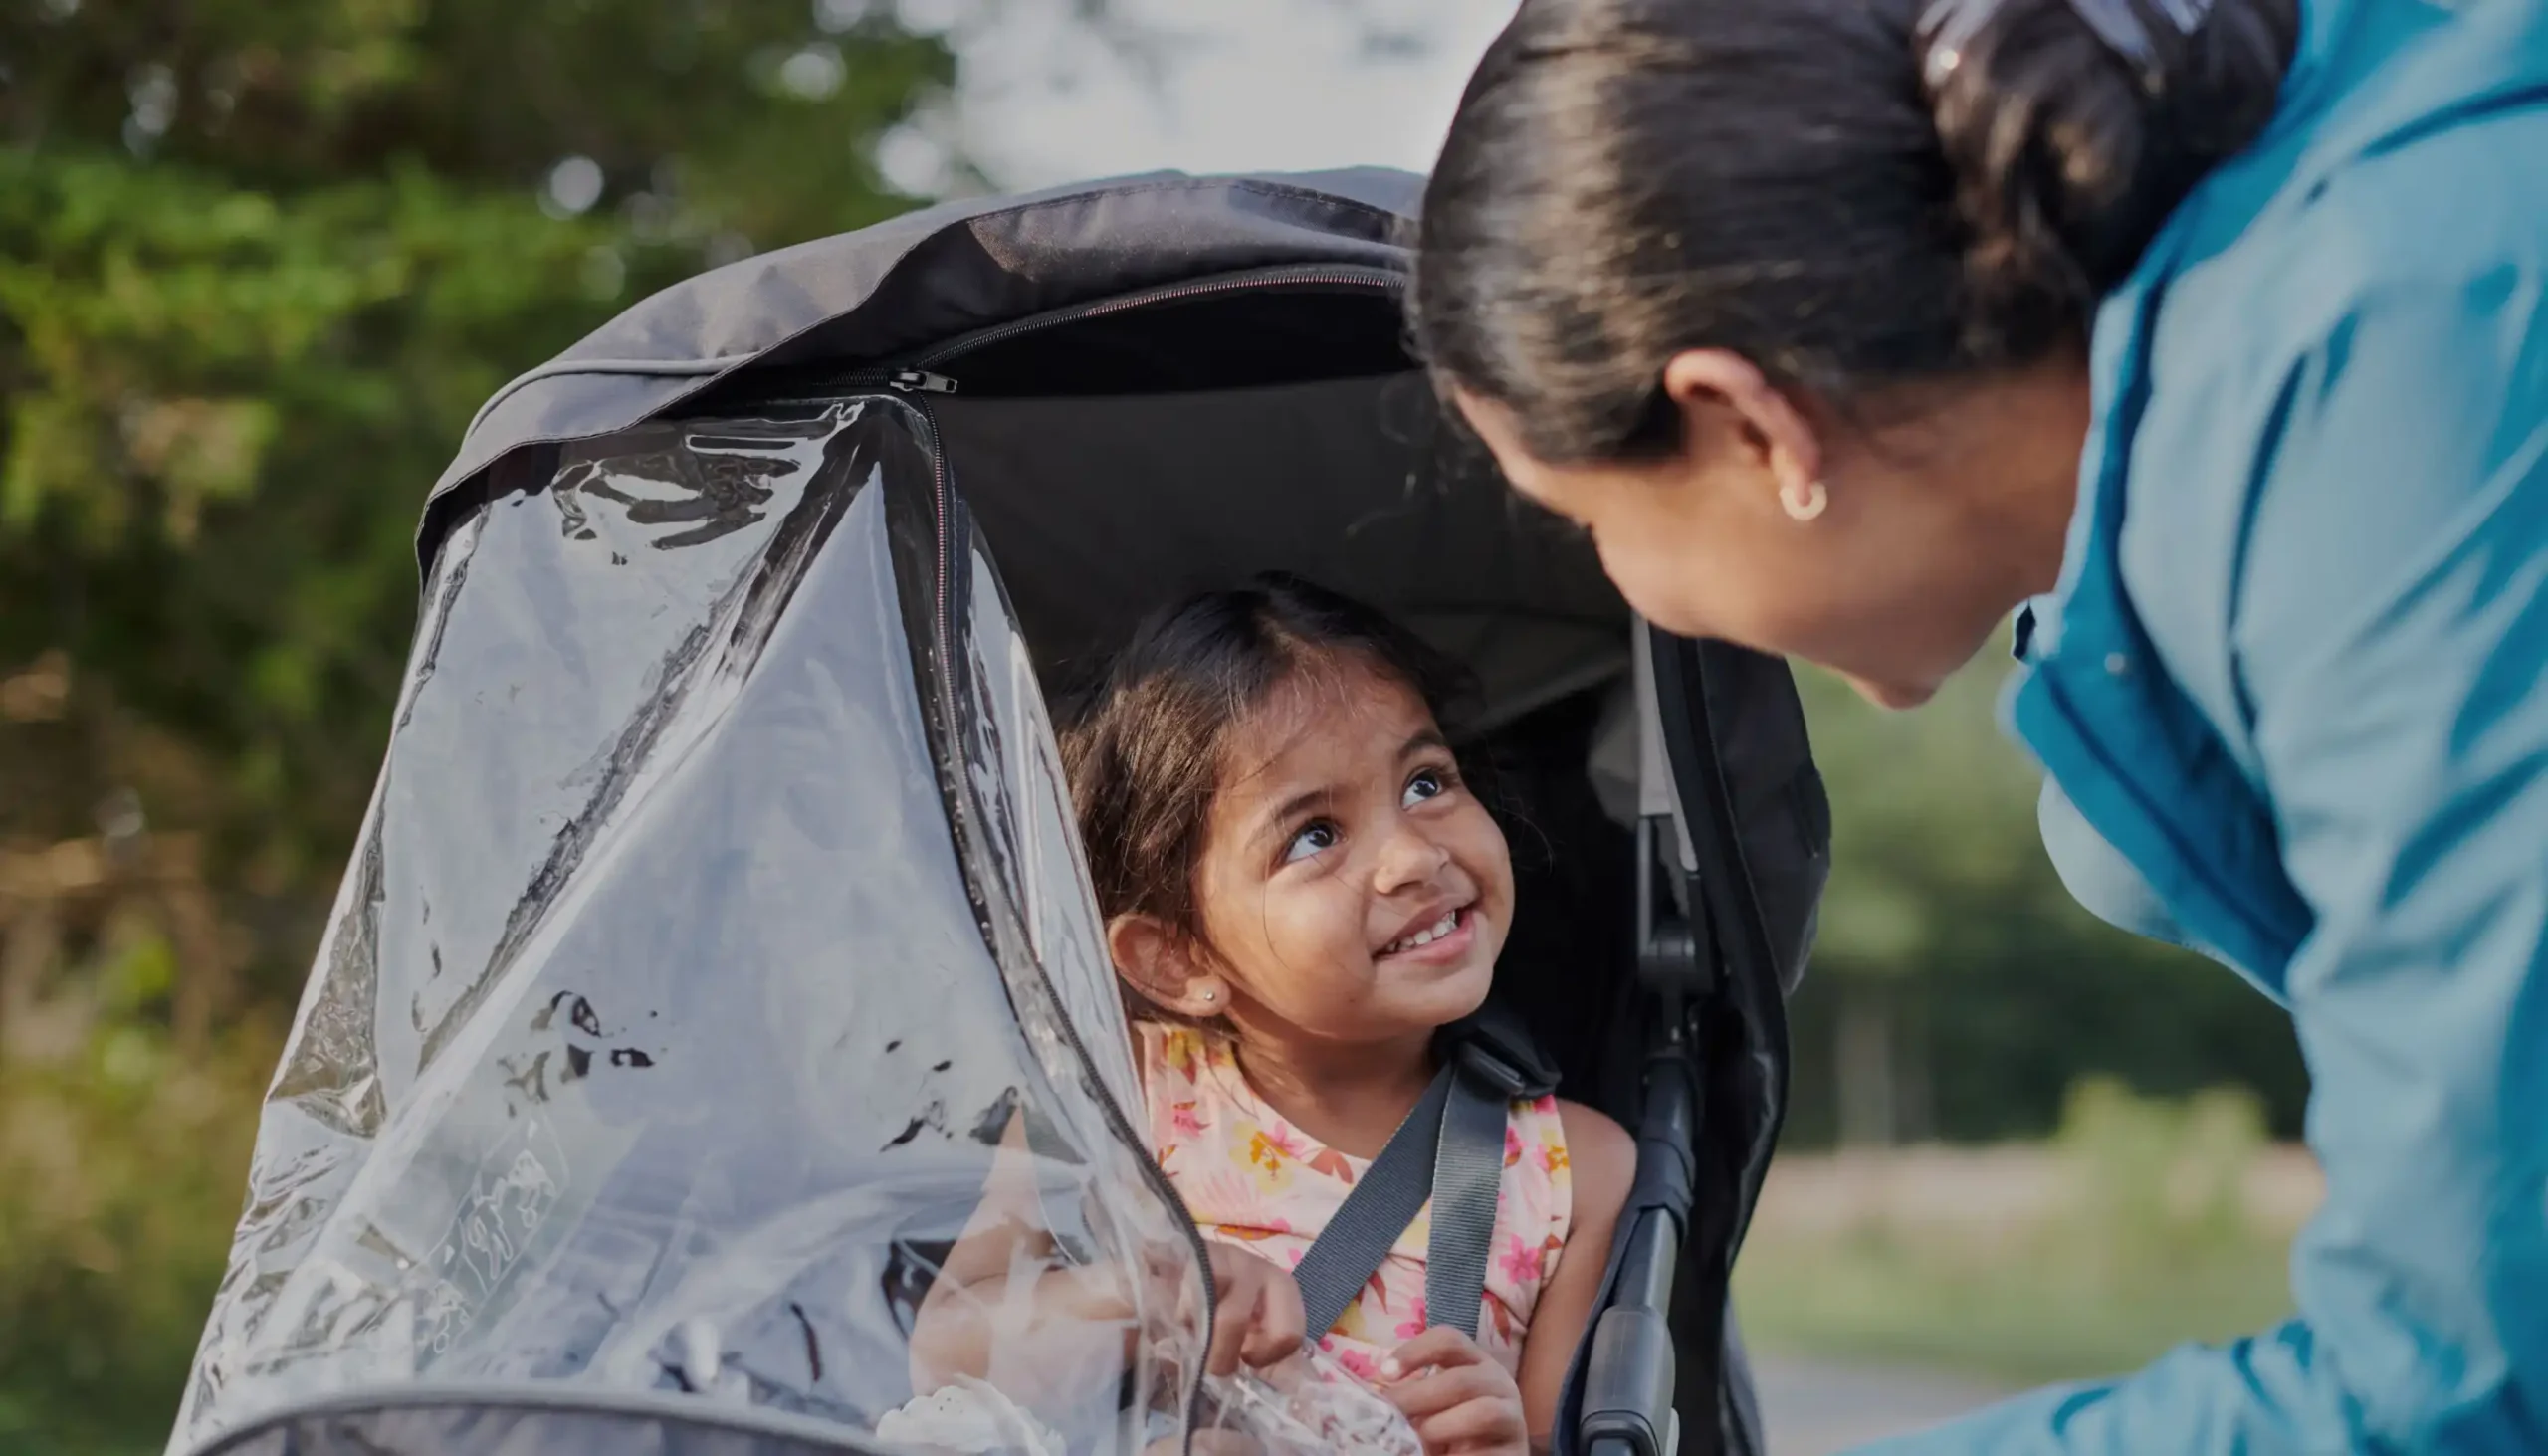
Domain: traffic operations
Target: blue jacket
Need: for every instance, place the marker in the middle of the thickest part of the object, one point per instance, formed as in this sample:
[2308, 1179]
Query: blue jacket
[2292, 697]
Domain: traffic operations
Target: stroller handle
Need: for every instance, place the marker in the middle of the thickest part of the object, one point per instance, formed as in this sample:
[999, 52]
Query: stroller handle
[1627, 1393]
[1629, 1371]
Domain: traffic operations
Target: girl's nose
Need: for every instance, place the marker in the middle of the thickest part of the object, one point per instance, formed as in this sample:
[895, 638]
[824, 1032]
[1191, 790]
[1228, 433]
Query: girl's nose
[1409, 857]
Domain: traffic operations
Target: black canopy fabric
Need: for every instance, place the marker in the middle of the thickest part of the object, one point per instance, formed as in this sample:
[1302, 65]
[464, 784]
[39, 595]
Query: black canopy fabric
[1101, 508]
[928, 277]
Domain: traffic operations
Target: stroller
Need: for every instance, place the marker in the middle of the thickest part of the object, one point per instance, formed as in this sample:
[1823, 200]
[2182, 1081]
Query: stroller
[719, 908]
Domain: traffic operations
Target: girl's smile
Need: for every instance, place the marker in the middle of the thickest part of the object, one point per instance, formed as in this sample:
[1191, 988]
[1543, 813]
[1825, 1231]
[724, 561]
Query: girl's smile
[1442, 940]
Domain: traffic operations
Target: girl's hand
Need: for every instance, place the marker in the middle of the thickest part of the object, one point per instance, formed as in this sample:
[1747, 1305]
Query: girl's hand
[1456, 1395]
[1258, 1318]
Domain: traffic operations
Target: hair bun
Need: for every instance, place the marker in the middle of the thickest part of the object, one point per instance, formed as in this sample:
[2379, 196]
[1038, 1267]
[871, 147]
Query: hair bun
[2073, 127]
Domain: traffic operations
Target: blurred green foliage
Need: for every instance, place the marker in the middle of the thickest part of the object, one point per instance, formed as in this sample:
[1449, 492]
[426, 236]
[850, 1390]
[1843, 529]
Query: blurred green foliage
[2131, 1233]
[260, 259]
[1946, 917]
[122, 1165]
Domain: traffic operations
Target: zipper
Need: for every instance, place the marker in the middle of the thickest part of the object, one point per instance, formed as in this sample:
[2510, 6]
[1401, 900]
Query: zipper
[1289, 276]
[921, 373]
[1118, 1122]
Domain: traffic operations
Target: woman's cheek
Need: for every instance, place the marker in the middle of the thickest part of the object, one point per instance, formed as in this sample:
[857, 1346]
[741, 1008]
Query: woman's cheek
[1657, 581]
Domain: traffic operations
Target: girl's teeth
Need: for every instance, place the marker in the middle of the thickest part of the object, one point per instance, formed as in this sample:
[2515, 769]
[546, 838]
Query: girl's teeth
[1428, 935]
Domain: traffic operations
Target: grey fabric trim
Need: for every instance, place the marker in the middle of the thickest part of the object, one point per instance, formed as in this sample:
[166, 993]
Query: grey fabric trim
[1448, 1151]
[661, 368]
[564, 1399]
[1359, 1234]
[1469, 1163]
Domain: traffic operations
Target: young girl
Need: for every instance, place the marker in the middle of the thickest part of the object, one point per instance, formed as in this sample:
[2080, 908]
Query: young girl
[1300, 890]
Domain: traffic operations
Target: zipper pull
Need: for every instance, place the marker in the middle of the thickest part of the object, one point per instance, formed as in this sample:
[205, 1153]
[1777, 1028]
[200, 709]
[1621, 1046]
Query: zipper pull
[910, 380]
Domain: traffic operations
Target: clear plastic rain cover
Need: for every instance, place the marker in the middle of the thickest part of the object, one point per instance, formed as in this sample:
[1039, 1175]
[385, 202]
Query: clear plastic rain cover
[712, 1032]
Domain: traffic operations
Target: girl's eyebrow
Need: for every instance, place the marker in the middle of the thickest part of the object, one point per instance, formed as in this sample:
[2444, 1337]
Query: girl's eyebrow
[1428, 741]
[1278, 819]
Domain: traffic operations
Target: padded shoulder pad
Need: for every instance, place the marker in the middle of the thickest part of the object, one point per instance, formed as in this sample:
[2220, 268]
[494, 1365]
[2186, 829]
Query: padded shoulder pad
[1494, 1046]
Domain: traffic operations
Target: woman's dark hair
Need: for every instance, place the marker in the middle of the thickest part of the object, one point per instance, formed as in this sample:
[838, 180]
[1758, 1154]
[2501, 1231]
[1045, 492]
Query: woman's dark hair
[1144, 753]
[1797, 181]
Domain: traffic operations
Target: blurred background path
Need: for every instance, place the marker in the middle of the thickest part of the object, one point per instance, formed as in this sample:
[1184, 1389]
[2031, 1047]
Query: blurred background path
[1817, 1407]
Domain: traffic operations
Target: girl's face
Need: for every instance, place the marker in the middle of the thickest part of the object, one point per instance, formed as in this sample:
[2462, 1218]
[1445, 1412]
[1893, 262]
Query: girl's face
[1351, 889]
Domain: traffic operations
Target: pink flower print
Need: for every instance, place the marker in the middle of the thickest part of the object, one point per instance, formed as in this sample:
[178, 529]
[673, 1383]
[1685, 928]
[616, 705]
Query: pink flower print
[1328, 1162]
[1272, 1151]
[1356, 1362]
[1512, 1146]
[1182, 1052]
[1413, 1324]
[1552, 1159]
[1186, 1119]
[1519, 1261]
[1230, 1196]
[1253, 1234]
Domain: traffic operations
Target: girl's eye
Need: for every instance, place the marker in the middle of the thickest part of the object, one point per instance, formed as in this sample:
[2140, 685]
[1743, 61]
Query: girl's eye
[1316, 838]
[1428, 783]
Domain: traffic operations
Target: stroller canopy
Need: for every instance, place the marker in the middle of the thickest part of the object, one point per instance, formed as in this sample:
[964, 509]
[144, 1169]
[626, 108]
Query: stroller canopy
[719, 930]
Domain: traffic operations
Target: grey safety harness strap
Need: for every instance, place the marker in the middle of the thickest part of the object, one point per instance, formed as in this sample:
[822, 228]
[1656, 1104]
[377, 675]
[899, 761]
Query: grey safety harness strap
[1449, 1150]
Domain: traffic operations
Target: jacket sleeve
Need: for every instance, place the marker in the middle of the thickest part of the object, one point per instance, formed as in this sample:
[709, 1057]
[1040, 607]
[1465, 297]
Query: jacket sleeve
[2391, 638]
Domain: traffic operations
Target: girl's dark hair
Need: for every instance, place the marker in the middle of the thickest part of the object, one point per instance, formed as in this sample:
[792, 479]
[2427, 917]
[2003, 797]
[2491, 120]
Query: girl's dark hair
[1626, 179]
[1144, 753]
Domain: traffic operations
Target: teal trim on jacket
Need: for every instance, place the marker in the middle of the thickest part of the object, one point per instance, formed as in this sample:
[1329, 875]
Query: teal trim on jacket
[2291, 697]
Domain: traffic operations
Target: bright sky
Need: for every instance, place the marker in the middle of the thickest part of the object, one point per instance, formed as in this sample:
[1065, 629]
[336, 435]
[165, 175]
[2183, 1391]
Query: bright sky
[1241, 85]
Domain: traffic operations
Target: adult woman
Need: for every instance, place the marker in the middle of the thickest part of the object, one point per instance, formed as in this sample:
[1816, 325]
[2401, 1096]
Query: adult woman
[1848, 325]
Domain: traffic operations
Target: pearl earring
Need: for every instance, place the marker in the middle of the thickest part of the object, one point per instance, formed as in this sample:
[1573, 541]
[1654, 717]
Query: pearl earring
[1210, 995]
[1807, 507]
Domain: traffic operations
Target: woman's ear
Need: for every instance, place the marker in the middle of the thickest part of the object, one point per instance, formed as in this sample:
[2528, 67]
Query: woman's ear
[1729, 408]
[1161, 966]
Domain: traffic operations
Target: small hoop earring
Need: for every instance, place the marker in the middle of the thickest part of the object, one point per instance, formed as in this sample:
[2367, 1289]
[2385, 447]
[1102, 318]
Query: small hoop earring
[1815, 498]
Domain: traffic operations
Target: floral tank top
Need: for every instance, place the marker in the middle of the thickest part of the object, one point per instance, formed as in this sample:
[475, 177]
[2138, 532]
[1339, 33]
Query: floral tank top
[1253, 1181]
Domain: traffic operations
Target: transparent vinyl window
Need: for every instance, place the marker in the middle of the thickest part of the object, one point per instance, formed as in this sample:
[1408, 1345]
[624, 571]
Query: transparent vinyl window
[675, 1040]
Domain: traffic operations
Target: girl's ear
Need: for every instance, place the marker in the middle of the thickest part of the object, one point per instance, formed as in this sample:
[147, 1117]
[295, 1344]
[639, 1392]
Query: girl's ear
[1160, 964]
